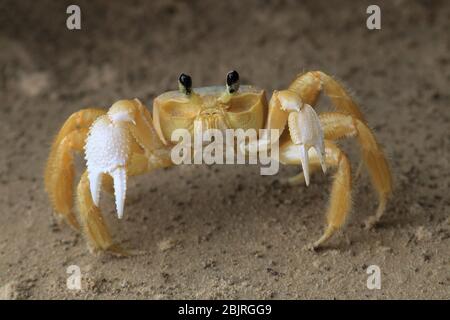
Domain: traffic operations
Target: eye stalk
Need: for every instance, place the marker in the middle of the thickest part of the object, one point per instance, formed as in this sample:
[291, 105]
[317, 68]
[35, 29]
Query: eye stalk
[232, 81]
[185, 84]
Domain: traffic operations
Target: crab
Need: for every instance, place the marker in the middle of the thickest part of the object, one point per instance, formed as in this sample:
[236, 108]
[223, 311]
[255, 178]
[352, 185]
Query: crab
[127, 140]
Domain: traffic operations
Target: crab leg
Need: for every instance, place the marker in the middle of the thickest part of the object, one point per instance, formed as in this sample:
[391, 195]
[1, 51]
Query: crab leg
[309, 85]
[91, 218]
[59, 171]
[340, 199]
[304, 91]
[337, 126]
[144, 131]
[60, 185]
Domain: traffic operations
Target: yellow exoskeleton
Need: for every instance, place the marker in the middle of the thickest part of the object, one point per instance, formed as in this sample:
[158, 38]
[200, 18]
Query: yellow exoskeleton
[126, 141]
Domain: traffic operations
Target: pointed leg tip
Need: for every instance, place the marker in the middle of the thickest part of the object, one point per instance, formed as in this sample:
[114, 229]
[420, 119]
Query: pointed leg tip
[311, 247]
[296, 180]
[118, 251]
[286, 182]
[113, 250]
[370, 223]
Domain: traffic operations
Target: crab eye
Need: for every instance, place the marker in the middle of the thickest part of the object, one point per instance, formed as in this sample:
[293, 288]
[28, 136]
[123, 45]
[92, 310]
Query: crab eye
[185, 84]
[232, 81]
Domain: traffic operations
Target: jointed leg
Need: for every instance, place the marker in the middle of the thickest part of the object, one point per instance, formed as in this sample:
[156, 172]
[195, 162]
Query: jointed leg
[305, 90]
[60, 183]
[292, 107]
[309, 85]
[143, 131]
[149, 144]
[59, 171]
[348, 122]
[144, 152]
[78, 120]
[340, 199]
[92, 221]
[306, 131]
[335, 126]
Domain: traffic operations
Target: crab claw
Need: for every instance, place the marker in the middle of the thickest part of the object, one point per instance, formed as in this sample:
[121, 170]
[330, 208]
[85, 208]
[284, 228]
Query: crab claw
[107, 151]
[120, 189]
[306, 131]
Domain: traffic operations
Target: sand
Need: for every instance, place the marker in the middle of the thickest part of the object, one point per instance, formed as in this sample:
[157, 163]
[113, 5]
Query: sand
[210, 232]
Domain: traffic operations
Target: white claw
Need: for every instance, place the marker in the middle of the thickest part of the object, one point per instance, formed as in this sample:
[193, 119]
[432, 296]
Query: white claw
[107, 151]
[321, 154]
[95, 183]
[306, 131]
[304, 158]
[120, 188]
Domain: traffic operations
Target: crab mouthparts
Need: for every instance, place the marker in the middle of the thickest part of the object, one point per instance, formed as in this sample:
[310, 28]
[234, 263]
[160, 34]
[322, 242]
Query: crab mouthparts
[205, 124]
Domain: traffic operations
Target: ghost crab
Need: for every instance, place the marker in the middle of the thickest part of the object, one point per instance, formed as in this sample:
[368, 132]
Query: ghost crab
[126, 141]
